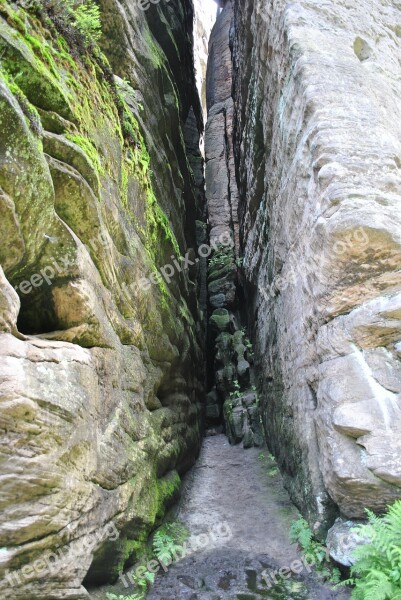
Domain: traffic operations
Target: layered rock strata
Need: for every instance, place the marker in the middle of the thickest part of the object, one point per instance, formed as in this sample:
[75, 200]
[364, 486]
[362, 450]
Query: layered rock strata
[232, 397]
[101, 377]
[317, 135]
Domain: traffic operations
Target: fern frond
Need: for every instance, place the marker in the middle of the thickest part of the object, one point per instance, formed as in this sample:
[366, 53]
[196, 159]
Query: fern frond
[378, 562]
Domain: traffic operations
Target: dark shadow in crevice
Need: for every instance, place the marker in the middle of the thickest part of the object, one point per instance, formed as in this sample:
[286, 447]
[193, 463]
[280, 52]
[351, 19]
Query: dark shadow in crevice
[37, 314]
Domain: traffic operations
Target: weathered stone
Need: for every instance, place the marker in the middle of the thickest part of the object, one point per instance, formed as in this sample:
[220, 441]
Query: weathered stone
[9, 306]
[235, 420]
[342, 540]
[101, 374]
[213, 409]
[248, 399]
[218, 301]
[220, 320]
[320, 230]
[242, 419]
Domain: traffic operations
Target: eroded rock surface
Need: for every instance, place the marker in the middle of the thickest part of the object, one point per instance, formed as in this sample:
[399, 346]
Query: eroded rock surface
[231, 396]
[317, 147]
[101, 373]
[238, 517]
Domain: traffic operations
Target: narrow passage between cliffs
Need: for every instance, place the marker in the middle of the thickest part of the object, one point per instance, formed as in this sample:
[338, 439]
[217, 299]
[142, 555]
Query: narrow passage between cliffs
[238, 515]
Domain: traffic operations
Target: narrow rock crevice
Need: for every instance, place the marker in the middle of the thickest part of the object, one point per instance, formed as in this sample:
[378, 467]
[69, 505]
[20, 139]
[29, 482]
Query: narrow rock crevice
[152, 289]
[233, 399]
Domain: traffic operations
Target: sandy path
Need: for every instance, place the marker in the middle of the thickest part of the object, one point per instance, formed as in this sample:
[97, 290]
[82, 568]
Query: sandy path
[239, 517]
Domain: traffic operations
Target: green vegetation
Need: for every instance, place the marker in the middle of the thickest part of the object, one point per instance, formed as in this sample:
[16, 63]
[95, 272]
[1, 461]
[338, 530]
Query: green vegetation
[87, 20]
[244, 339]
[273, 471]
[90, 150]
[236, 393]
[376, 573]
[272, 467]
[168, 540]
[79, 22]
[27, 108]
[155, 53]
[220, 321]
[167, 489]
[142, 582]
[301, 533]
[157, 223]
[239, 262]
[222, 258]
[72, 77]
[50, 59]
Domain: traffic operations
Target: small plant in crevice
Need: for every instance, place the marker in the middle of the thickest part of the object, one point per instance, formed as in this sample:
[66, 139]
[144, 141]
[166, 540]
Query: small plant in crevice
[223, 256]
[77, 21]
[239, 262]
[249, 347]
[236, 392]
[300, 533]
[376, 573]
[87, 20]
[273, 469]
[272, 466]
[249, 351]
[257, 398]
[168, 540]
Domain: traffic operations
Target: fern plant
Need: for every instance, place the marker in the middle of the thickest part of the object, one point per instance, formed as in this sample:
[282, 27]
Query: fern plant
[376, 573]
[77, 20]
[142, 582]
[168, 539]
[301, 533]
[111, 596]
[87, 20]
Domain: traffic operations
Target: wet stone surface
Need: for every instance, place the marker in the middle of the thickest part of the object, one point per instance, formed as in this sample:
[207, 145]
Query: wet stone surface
[227, 574]
[244, 515]
[238, 515]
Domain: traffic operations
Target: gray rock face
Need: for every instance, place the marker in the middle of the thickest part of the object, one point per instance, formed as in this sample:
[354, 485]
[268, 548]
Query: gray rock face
[101, 375]
[231, 348]
[205, 15]
[317, 145]
[342, 540]
[222, 191]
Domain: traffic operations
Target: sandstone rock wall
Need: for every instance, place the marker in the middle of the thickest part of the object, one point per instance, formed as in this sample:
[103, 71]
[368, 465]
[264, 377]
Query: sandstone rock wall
[317, 145]
[101, 184]
[232, 397]
[205, 16]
